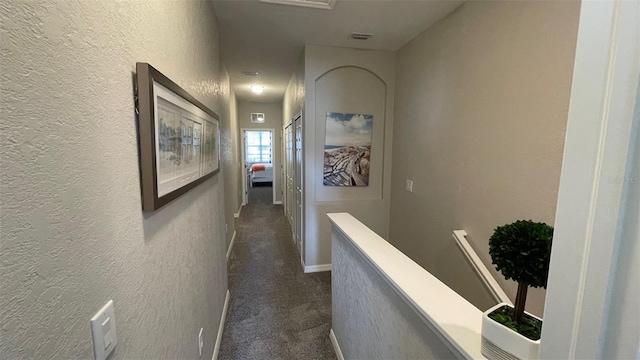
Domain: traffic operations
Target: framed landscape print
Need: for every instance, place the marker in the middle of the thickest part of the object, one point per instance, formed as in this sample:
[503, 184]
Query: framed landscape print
[347, 149]
[179, 139]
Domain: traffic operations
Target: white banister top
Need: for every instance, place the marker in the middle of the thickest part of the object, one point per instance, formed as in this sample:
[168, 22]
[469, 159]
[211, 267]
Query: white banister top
[457, 320]
[487, 278]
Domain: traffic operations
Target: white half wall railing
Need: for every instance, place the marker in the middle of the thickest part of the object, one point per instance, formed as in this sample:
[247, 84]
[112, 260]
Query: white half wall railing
[386, 306]
[485, 275]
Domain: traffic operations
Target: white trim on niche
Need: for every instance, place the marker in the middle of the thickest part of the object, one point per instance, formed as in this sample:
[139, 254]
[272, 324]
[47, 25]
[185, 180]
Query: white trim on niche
[336, 346]
[216, 349]
[375, 189]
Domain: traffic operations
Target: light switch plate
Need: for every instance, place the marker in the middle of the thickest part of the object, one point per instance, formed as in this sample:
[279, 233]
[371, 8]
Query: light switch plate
[103, 329]
[409, 186]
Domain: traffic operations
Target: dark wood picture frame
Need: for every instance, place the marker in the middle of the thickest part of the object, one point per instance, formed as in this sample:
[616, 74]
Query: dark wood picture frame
[152, 199]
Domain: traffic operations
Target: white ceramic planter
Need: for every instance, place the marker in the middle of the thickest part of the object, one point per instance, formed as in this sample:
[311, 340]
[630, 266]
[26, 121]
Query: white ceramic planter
[501, 343]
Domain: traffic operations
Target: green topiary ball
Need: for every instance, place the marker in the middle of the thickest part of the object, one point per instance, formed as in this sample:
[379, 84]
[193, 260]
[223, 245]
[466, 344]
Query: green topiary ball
[521, 251]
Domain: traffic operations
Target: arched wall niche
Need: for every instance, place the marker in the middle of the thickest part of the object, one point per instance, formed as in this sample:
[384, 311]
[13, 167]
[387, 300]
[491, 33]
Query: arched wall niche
[350, 90]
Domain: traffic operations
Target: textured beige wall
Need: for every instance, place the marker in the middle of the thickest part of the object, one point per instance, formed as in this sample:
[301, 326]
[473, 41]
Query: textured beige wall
[292, 104]
[230, 164]
[238, 153]
[273, 120]
[481, 108]
[73, 233]
[294, 95]
[345, 92]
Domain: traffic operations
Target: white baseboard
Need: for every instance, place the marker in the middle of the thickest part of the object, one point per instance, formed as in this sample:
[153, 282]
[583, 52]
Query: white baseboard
[237, 215]
[278, 202]
[216, 349]
[316, 268]
[233, 239]
[336, 346]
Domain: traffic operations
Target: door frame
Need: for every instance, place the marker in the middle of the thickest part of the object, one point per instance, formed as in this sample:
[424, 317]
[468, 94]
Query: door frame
[300, 243]
[285, 197]
[596, 158]
[245, 185]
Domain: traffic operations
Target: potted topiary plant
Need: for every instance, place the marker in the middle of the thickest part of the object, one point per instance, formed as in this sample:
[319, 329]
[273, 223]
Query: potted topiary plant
[520, 251]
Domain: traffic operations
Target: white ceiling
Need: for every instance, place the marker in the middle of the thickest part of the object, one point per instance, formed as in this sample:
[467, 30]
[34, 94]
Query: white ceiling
[269, 38]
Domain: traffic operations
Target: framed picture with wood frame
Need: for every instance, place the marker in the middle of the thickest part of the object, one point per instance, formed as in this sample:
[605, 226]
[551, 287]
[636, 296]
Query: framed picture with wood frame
[179, 139]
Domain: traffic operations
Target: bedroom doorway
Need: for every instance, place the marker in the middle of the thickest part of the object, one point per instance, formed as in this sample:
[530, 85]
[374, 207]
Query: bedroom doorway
[258, 169]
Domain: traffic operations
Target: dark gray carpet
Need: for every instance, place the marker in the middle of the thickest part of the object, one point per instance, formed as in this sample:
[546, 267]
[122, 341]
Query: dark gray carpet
[276, 311]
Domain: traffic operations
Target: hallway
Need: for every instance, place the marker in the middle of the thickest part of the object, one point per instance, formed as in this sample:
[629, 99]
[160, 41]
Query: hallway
[275, 311]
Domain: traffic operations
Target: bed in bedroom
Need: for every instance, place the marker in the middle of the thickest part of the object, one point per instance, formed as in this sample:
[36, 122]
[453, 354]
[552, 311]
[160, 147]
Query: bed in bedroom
[261, 173]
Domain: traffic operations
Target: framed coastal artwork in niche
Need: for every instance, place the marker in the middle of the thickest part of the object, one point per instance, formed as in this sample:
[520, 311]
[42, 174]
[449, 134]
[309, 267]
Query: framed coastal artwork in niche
[179, 139]
[347, 149]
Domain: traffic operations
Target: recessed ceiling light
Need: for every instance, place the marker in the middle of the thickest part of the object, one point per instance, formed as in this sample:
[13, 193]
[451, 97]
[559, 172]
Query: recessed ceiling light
[250, 73]
[258, 89]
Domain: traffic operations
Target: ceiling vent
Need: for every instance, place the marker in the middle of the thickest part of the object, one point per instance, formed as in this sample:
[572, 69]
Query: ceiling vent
[257, 118]
[250, 73]
[318, 4]
[360, 36]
